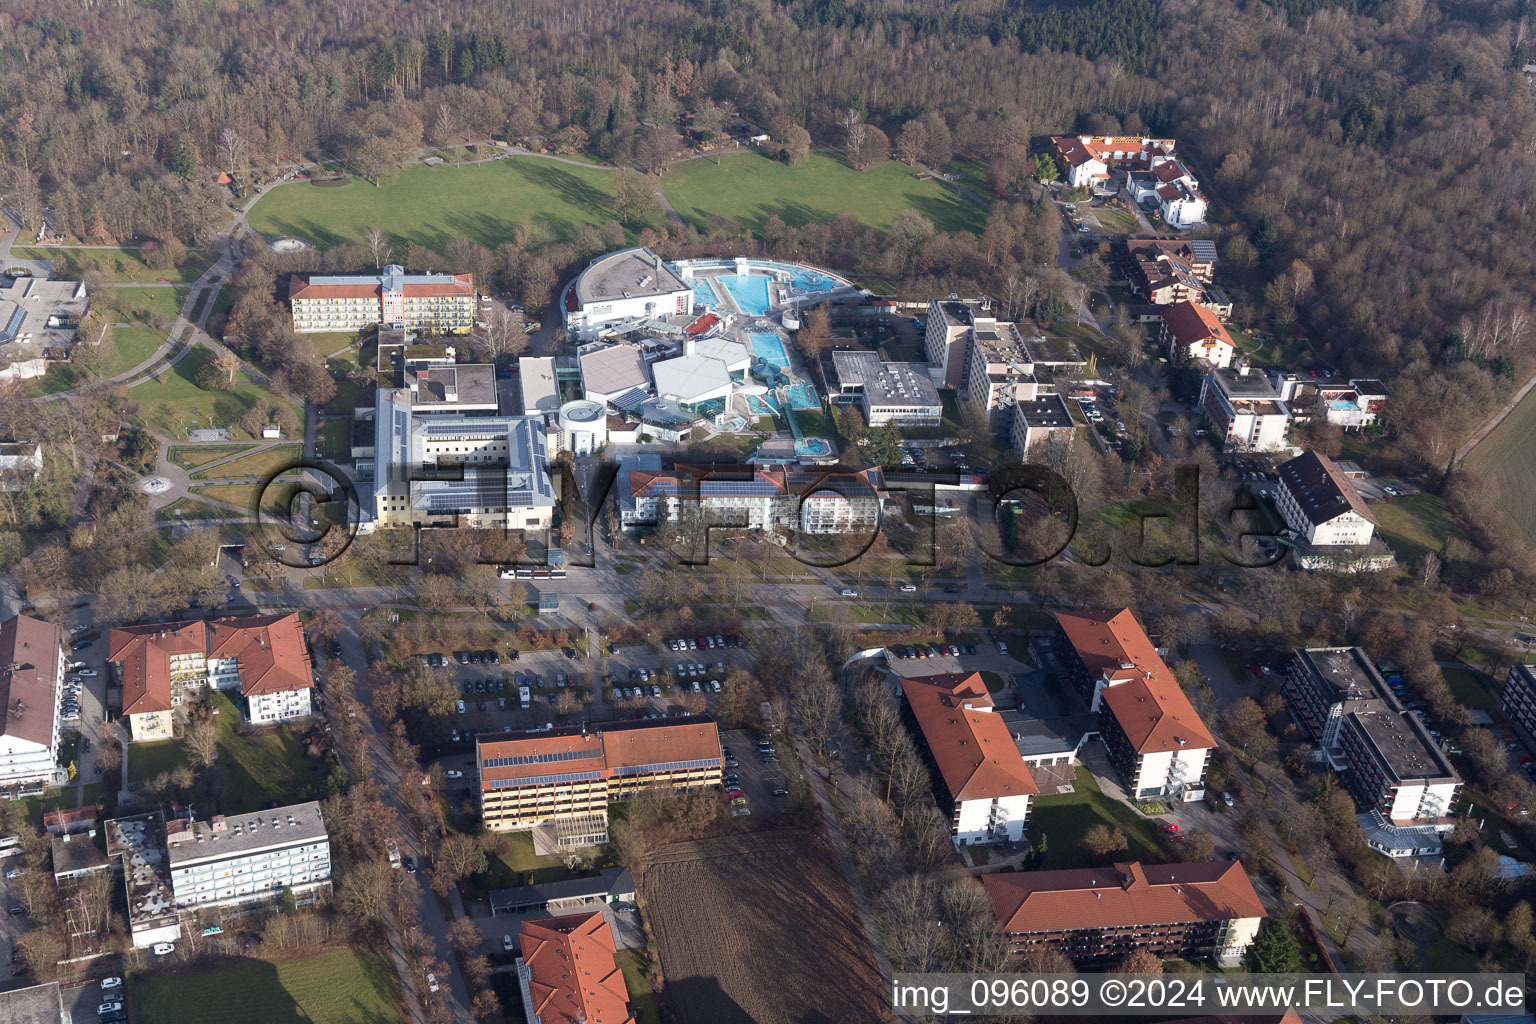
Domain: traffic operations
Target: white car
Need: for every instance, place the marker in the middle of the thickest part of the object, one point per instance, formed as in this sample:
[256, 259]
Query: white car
[432, 985]
[453, 774]
[1226, 798]
[78, 629]
[714, 684]
[111, 983]
[696, 687]
[909, 588]
[106, 1008]
[88, 673]
[506, 943]
[164, 948]
[461, 707]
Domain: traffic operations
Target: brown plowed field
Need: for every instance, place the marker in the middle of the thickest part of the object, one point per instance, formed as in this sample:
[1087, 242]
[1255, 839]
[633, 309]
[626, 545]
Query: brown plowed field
[759, 929]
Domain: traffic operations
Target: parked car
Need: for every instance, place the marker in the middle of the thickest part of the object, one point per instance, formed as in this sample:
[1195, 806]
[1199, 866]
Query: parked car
[164, 948]
[432, 985]
[111, 983]
[1226, 798]
[453, 773]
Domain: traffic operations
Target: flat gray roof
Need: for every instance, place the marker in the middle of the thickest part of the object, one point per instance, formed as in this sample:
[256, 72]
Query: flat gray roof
[73, 853]
[473, 384]
[1050, 411]
[1050, 718]
[39, 1004]
[627, 273]
[240, 834]
[613, 370]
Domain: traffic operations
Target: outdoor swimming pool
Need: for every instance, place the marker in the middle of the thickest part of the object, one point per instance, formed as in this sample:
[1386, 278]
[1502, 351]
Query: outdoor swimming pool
[768, 348]
[761, 405]
[803, 396]
[804, 280]
[703, 293]
[749, 290]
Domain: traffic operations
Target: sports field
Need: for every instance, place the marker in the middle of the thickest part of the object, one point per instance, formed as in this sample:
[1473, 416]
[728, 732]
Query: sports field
[484, 203]
[1505, 461]
[339, 987]
[748, 187]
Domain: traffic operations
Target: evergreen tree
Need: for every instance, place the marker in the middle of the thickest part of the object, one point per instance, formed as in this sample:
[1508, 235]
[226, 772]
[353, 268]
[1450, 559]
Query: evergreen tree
[184, 156]
[1274, 950]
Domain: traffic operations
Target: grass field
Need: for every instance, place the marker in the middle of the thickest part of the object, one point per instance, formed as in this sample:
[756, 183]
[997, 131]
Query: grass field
[1471, 692]
[130, 347]
[122, 266]
[278, 498]
[170, 408]
[147, 305]
[257, 464]
[191, 508]
[1414, 524]
[256, 769]
[342, 986]
[1063, 818]
[1505, 461]
[747, 187]
[638, 981]
[191, 456]
[1116, 221]
[484, 203]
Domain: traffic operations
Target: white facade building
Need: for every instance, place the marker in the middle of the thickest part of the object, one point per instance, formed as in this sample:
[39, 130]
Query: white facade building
[1245, 412]
[1321, 504]
[31, 669]
[249, 858]
[436, 303]
[629, 285]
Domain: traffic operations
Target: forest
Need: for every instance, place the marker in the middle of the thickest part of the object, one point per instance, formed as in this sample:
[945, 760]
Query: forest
[1371, 163]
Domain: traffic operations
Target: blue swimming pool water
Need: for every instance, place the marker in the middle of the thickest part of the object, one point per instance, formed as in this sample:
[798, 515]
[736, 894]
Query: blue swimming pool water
[803, 396]
[761, 406]
[749, 290]
[803, 280]
[703, 294]
[769, 349]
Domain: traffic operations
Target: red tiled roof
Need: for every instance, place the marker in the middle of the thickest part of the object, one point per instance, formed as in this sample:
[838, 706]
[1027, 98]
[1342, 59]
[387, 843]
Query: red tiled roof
[29, 678]
[572, 973]
[1191, 323]
[1145, 698]
[1126, 895]
[145, 653]
[366, 287]
[599, 750]
[269, 650]
[702, 324]
[971, 745]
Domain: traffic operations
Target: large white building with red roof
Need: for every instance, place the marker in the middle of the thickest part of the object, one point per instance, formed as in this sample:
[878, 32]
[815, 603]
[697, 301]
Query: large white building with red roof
[1099, 915]
[568, 974]
[1153, 172]
[160, 665]
[980, 777]
[429, 303]
[1154, 735]
[31, 669]
[564, 778]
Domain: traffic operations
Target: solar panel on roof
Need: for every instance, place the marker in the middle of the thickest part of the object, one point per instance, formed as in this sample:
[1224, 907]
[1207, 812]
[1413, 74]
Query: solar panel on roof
[631, 399]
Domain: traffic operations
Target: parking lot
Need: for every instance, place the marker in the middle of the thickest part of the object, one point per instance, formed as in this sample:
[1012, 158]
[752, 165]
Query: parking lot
[756, 778]
[82, 1001]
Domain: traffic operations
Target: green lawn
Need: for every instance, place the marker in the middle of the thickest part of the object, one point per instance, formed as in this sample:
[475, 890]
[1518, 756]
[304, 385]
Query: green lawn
[638, 981]
[748, 187]
[170, 407]
[279, 497]
[258, 463]
[333, 440]
[1064, 817]
[256, 769]
[1471, 692]
[191, 456]
[523, 867]
[1416, 523]
[117, 265]
[148, 305]
[328, 343]
[130, 347]
[191, 508]
[1115, 220]
[484, 203]
[343, 986]
[1505, 461]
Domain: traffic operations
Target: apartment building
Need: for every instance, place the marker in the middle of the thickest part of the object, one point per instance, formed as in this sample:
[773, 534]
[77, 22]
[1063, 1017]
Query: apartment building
[1191, 331]
[1043, 420]
[137, 842]
[1155, 737]
[1320, 503]
[428, 303]
[261, 658]
[1000, 372]
[1384, 754]
[249, 858]
[947, 336]
[815, 500]
[899, 393]
[1154, 175]
[32, 668]
[980, 779]
[1096, 916]
[455, 470]
[1245, 413]
[568, 974]
[562, 780]
[1519, 699]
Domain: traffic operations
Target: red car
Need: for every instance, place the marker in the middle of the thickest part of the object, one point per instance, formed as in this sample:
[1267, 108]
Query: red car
[735, 793]
[1525, 758]
[1172, 827]
[1258, 672]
